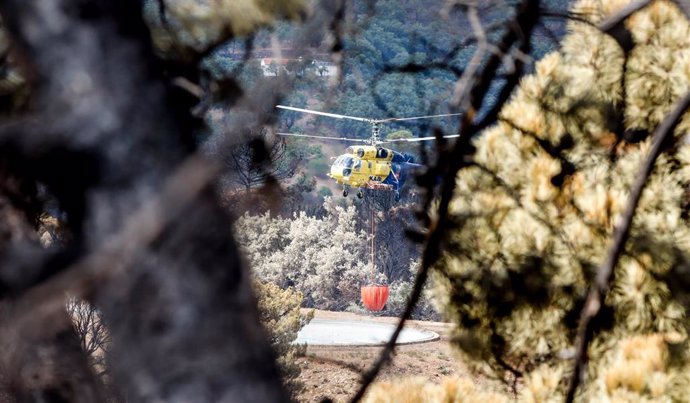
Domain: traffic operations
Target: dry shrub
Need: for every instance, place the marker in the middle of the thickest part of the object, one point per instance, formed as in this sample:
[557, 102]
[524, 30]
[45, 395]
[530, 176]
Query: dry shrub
[279, 311]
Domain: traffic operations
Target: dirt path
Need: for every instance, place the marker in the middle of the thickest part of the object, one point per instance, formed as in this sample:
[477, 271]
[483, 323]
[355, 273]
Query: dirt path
[334, 372]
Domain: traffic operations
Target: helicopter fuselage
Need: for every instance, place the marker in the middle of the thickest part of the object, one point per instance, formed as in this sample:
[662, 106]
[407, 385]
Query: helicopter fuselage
[370, 167]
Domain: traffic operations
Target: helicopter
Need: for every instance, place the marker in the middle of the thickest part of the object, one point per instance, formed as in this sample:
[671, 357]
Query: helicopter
[370, 166]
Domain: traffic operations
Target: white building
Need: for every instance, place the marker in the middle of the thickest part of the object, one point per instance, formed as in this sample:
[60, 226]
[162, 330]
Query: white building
[273, 67]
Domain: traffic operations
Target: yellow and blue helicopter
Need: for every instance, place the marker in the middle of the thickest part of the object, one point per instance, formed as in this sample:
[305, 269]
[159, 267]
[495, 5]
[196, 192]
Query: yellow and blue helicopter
[370, 166]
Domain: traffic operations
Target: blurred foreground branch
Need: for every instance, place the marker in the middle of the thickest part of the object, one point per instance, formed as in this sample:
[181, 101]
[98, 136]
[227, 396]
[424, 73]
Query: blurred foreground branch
[150, 243]
[595, 298]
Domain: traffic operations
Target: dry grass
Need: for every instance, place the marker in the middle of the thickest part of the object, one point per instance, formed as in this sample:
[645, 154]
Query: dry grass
[330, 371]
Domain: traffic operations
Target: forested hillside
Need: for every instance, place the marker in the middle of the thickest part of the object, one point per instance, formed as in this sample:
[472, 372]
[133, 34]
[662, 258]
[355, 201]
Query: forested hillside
[396, 59]
[399, 58]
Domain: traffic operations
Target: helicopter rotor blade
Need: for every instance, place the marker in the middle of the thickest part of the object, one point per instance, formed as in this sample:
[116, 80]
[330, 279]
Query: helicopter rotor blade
[417, 117]
[332, 115]
[415, 139]
[323, 137]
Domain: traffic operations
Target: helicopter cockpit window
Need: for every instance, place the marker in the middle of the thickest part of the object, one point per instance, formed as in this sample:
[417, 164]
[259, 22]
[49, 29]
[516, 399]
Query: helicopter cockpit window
[358, 165]
[343, 161]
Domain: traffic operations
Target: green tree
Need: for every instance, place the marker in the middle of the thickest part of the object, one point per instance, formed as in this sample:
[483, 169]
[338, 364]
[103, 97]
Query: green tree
[299, 194]
[325, 191]
[288, 118]
[402, 147]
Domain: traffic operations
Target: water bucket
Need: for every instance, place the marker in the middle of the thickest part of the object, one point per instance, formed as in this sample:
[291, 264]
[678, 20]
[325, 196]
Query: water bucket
[374, 297]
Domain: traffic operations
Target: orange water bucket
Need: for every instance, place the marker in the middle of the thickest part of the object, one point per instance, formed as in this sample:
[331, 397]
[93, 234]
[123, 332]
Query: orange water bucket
[374, 297]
